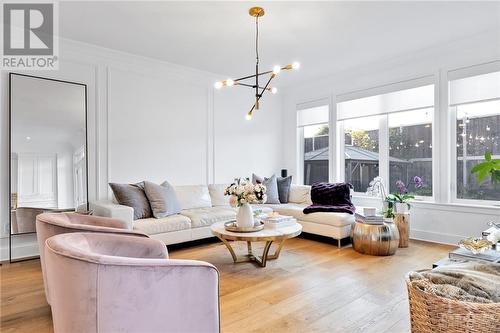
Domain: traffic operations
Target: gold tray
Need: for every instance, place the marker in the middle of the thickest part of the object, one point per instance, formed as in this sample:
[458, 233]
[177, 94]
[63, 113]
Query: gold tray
[231, 226]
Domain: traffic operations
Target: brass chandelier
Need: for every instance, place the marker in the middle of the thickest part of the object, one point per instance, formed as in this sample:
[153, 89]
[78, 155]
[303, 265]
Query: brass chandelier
[259, 90]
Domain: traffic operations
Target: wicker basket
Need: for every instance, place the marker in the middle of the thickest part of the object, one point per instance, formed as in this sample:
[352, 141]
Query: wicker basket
[430, 313]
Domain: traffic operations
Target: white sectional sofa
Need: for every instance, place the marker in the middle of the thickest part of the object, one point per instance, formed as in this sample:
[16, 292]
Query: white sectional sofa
[204, 205]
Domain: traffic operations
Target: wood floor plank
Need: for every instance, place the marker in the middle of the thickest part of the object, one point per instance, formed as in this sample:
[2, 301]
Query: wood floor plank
[312, 287]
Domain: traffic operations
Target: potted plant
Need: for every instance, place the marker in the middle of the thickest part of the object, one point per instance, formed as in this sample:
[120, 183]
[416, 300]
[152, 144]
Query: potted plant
[242, 193]
[399, 201]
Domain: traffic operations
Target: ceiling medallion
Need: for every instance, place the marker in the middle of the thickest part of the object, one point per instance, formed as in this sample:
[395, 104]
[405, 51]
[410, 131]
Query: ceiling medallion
[259, 90]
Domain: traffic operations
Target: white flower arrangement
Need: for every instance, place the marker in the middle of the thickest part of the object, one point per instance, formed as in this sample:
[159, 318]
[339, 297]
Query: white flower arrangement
[242, 191]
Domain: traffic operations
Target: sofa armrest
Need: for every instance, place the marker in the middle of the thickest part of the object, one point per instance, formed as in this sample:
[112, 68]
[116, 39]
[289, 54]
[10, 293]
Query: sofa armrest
[108, 208]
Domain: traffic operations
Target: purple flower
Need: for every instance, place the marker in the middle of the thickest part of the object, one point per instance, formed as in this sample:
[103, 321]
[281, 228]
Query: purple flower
[401, 187]
[418, 182]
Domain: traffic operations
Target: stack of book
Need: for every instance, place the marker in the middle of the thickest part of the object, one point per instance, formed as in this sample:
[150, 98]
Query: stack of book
[277, 221]
[373, 219]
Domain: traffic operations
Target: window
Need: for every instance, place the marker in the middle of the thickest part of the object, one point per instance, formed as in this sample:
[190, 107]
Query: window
[361, 151]
[389, 135]
[475, 103]
[410, 151]
[314, 137]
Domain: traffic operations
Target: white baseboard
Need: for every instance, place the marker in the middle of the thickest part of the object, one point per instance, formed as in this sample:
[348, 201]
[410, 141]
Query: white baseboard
[23, 249]
[435, 237]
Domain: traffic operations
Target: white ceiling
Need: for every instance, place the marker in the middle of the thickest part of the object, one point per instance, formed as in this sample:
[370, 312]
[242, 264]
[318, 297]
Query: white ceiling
[326, 37]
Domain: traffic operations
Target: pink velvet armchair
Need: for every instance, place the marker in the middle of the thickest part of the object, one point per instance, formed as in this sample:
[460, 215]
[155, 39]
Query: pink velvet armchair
[50, 224]
[115, 283]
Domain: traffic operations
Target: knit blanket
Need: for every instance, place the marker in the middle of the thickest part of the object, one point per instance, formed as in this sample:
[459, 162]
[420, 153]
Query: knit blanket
[469, 281]
[331, 197]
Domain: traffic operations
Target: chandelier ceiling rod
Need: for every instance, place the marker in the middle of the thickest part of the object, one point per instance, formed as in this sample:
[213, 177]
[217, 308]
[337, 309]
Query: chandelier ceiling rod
[259, 91]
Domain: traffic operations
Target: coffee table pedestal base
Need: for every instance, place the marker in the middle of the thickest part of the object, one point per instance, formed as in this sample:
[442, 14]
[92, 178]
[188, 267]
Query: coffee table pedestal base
[260, 260]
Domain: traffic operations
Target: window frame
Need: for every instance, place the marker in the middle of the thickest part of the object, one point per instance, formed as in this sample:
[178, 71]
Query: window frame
[300, 135]
[384, 130]
[451, 113]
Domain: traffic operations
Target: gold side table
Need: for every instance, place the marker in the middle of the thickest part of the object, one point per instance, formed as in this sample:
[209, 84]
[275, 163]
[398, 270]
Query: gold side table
[375, 239]
[268, 235]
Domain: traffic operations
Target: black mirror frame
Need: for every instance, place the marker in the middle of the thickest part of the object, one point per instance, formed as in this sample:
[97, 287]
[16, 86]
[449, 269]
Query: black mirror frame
[11, 74]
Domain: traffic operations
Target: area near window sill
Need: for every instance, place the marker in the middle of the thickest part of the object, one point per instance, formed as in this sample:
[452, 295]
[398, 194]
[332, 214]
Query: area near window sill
[491, 209]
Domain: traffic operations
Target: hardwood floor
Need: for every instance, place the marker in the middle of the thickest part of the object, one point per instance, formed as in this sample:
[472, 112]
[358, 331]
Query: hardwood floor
[312, 287]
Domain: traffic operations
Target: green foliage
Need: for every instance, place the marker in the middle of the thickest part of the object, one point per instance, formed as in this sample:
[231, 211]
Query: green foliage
[401, 198]
[362, 139]
[323, 130]
[396, 197]
[488, 167]
[389, 212]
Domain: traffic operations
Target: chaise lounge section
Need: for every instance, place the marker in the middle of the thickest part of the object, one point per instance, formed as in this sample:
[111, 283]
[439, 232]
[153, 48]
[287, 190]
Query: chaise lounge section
[203, 205]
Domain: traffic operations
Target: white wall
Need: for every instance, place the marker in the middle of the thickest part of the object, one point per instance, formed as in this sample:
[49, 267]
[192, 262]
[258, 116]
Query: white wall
[153, 120]
[441, 222]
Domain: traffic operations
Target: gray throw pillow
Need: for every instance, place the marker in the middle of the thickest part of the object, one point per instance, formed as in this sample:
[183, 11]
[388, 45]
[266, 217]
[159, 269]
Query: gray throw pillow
[133, 195]
[284, 184]
[162, 199]
[271, 188]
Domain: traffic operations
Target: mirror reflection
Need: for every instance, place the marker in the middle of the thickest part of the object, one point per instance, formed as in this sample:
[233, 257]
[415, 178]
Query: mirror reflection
[48, 149]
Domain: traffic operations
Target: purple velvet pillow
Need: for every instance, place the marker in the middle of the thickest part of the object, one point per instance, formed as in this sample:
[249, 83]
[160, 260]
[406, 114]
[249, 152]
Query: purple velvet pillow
[331, 194]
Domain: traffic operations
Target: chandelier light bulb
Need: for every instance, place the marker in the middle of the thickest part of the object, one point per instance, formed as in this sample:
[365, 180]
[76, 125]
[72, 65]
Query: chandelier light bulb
[248, 116]
[218, 85]
[229, 82]
[276, 69]
[296, 65]
[274, 90]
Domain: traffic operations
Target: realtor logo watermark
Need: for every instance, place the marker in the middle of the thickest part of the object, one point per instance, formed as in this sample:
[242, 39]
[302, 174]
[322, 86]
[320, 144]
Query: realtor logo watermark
[29, 31]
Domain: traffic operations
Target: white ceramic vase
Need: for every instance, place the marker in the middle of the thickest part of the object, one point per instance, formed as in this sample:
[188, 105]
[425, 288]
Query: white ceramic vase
[401, 207]
[244, 217]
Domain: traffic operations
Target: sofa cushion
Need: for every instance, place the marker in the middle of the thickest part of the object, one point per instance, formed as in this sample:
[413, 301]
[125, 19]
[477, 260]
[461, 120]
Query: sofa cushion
[162, 199]
[300, 194]
[133, 195]
[217, 194]
[170, 223]
[202, 217]
[193, 196]
[296, 210]
[284, 184]
[271, 185]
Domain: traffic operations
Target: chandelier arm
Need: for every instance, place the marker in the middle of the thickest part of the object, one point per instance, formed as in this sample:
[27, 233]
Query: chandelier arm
[266, 86]
[249, 85]
[263, 73]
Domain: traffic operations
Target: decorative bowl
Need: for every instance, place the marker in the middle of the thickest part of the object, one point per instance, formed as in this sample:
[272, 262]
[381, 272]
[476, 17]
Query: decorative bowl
[475, 245]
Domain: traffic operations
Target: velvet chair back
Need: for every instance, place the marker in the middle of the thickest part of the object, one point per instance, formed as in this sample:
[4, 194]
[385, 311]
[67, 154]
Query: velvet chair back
[114, 283]
[51, 224]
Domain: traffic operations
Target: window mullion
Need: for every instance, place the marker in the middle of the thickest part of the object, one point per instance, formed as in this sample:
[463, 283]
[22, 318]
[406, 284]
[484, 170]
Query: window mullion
[332, 146]
[384, 150]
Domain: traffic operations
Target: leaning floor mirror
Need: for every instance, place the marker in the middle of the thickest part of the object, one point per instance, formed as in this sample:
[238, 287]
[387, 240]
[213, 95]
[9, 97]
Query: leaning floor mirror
[48, 154]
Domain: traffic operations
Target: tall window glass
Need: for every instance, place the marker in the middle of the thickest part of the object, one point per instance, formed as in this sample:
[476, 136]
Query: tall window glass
[361, 151]
[478, 131]
[316, 143]
[410, 151]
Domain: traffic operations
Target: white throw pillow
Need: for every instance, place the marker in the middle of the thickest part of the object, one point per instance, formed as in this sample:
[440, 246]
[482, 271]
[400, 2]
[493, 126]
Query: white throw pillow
[193, 196]
[217, 194]
[300, 194]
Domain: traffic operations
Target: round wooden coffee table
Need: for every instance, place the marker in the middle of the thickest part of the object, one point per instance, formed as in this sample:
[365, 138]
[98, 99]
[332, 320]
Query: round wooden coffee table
[268, 235]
